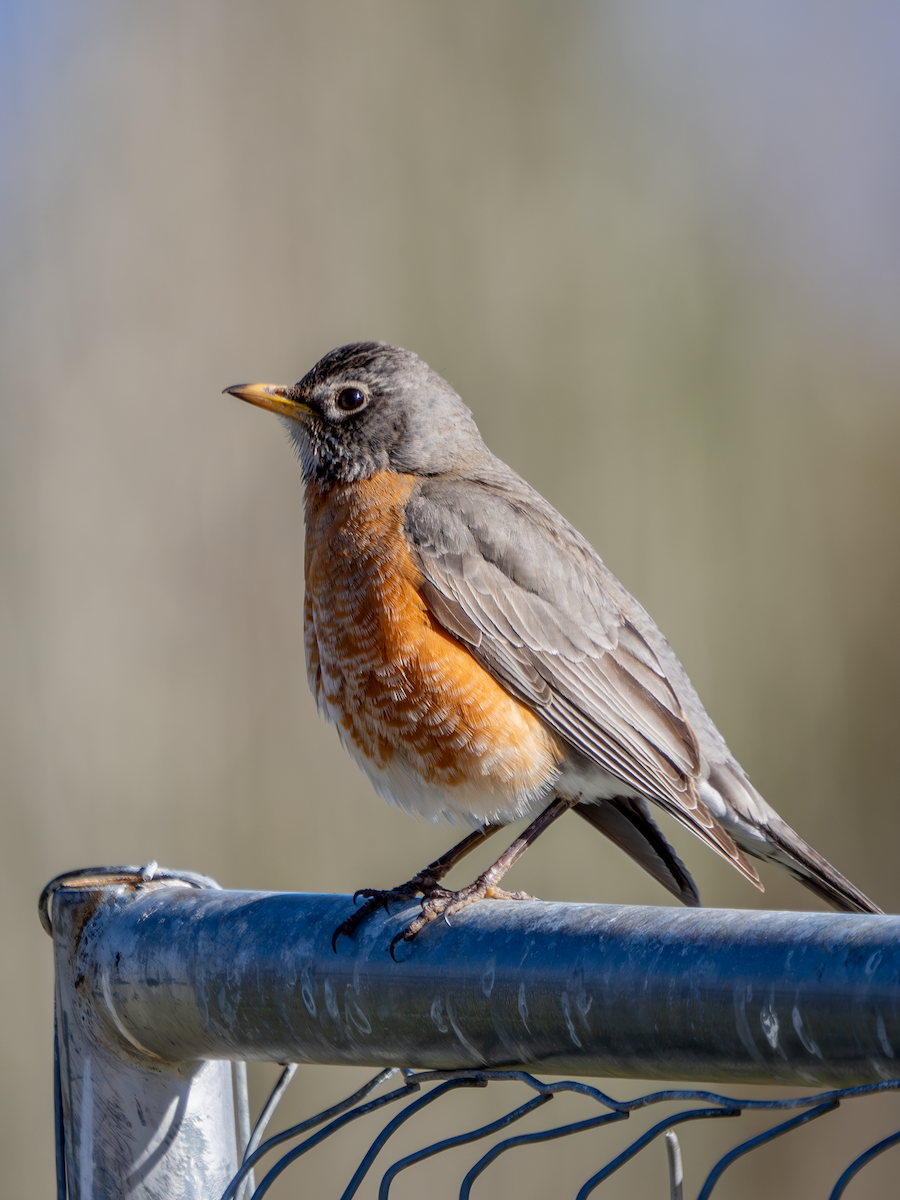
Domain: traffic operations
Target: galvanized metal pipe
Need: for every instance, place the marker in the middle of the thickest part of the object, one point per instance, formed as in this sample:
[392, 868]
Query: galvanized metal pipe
[131, 1125]
[175, 975]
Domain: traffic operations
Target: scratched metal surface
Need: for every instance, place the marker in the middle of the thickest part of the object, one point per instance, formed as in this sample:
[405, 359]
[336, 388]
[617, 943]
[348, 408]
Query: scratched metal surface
[128, 1124]
[714, 995]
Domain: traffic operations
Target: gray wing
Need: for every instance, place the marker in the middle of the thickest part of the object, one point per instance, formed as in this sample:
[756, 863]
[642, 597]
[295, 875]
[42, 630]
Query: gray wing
[505, 573]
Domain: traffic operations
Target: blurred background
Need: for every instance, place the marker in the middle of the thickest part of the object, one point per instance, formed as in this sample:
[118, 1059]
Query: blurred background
[655, 247]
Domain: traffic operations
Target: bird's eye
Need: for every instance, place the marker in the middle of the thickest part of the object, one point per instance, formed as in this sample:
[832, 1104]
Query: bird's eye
[350, 399]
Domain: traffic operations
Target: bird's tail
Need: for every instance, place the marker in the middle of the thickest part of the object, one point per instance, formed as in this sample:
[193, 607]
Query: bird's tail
[628, 823]
[815, 872]
[760, 832]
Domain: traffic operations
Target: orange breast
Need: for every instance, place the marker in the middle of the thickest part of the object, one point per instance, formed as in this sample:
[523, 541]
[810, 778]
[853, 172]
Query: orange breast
[405, 694]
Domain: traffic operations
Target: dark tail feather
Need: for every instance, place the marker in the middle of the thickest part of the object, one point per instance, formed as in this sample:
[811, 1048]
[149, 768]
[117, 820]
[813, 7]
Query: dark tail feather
[783, 845]
[628, 823]
[809, 868]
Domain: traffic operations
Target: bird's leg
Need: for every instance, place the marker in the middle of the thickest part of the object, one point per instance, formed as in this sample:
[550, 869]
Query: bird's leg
[442, 903]
[426, 882]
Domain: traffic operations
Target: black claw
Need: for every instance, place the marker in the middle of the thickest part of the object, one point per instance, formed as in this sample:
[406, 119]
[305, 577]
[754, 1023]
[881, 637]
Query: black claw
[401, 937]
[346, 929]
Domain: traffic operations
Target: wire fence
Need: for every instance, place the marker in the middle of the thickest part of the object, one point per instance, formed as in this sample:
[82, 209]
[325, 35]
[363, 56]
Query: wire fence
[162, 977]
[413, 1099]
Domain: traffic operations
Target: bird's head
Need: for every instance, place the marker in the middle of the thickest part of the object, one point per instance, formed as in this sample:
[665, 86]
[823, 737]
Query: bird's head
[370, 407]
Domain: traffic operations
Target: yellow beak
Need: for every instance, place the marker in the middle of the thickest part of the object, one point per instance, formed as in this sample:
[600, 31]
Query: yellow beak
[272, 396]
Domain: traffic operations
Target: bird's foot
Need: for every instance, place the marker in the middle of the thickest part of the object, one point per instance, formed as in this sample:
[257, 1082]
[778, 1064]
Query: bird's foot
[376, 898]
[442, 903]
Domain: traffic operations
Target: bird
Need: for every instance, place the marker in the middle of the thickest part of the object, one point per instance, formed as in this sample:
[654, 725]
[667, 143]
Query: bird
[478, 659]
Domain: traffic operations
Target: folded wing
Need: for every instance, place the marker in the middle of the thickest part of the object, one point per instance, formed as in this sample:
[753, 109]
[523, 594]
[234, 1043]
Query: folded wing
[538, 609]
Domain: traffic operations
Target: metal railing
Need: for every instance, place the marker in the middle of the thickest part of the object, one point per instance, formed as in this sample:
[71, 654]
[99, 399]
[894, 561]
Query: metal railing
[163, 979]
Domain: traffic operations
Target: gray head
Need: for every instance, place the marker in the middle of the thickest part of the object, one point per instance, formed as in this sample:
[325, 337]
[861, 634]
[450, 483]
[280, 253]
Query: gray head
[370, 407]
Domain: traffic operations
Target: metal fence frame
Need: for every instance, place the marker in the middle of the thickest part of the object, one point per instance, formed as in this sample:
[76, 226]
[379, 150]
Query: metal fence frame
[163, 979]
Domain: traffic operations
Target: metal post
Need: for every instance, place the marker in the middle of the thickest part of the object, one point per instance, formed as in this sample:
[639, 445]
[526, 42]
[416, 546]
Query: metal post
[136, 1125]
[157, 977]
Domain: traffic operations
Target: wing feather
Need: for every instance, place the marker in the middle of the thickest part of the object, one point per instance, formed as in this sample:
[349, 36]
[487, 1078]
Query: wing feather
[540, 611]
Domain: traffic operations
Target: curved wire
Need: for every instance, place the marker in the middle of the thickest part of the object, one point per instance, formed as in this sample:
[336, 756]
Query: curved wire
[106, 876]
[670, 1094]
[292, 1155]
[533, 1139]
[620, 1160]
[295, 1130]
[392, 1126]
[350, 1109]
[716, 1173]
[859, 1163]
[461, 1139]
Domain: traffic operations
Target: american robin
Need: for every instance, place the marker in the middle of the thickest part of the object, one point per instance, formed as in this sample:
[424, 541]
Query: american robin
[480, 662]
